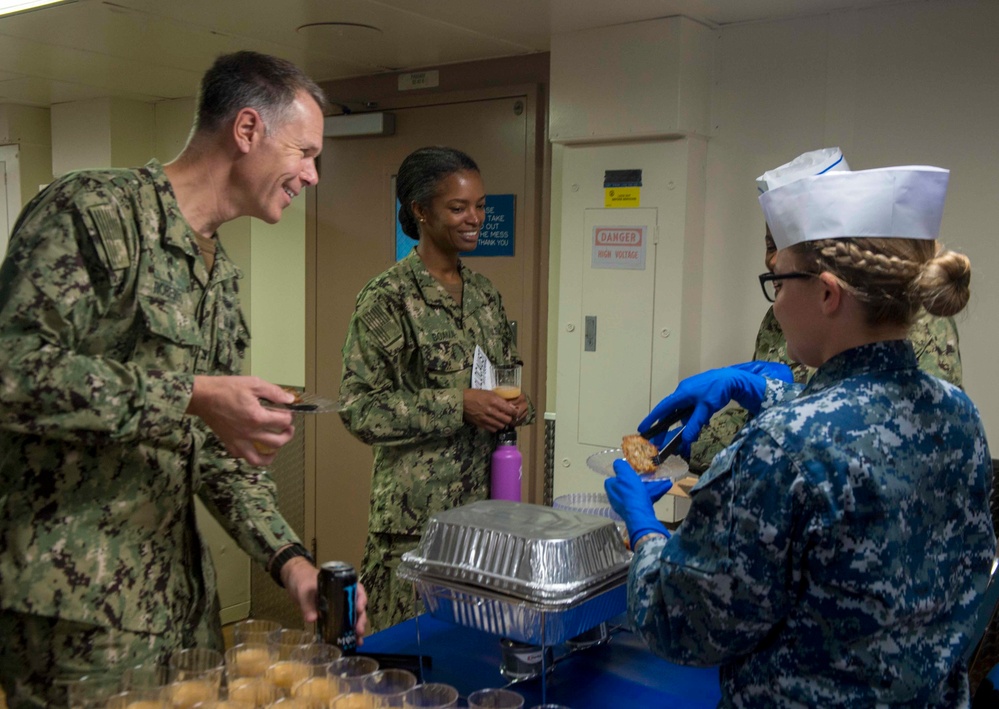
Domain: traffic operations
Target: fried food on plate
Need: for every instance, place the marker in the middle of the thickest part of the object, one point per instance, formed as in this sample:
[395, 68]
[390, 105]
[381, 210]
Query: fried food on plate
[639, 453]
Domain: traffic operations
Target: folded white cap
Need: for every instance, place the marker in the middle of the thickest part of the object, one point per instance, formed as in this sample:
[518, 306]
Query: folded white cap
[814, 162]
[902, 202]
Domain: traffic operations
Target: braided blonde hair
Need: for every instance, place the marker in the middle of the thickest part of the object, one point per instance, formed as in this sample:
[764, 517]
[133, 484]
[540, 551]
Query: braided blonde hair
[893, 278]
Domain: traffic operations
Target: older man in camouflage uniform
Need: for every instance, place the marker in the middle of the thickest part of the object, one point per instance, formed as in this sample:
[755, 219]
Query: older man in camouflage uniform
[120, 338]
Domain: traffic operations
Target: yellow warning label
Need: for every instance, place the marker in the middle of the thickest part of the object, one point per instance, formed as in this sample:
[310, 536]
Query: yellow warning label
[622, 196]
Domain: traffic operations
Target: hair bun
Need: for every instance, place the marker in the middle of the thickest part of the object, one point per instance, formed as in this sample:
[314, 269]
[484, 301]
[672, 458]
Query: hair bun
[944, 285]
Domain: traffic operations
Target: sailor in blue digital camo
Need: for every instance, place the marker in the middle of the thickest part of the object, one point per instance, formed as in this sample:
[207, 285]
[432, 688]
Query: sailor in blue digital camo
[935, 340]
[750, 581]
[107, 311]
[406, 361]
[836, 553]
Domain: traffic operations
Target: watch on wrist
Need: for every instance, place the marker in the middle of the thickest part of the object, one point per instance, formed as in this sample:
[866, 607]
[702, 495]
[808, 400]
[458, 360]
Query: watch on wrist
[286, 555]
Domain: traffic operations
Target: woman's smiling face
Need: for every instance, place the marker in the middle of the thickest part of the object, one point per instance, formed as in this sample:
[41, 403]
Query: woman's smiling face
[456, 213]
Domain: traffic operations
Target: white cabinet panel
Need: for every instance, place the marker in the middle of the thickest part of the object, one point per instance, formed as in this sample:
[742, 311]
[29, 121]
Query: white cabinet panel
[647, 319]
[615, 371]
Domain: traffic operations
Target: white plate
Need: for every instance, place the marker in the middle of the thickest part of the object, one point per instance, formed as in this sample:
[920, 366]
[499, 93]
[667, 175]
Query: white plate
[673, 468]
[591, 503]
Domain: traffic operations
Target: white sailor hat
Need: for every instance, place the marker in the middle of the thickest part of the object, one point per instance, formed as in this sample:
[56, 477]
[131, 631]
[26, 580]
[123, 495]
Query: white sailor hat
[814, 162]
[901, 202]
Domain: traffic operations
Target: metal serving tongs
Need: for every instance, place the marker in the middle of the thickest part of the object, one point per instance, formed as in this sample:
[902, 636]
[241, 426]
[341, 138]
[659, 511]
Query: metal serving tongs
[664, 424]
[305, 404]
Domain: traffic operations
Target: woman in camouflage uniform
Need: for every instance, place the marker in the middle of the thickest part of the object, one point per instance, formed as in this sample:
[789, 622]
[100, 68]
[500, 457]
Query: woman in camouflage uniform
[407, 367]
[836, 553]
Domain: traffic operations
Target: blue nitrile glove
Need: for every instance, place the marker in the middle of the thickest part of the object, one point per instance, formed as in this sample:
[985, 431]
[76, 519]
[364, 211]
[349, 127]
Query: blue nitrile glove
[709, 392]
[632, 499]
[770, 370]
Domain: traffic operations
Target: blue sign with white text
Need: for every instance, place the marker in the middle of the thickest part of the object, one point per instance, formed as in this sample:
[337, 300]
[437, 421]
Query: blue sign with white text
[497, 234]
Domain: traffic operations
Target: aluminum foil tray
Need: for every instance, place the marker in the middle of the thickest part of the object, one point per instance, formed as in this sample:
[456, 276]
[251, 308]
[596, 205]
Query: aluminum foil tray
[532, 623]
[531, 552]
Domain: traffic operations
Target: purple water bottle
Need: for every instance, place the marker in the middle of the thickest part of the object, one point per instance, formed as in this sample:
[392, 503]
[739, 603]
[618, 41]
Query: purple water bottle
[504, 481]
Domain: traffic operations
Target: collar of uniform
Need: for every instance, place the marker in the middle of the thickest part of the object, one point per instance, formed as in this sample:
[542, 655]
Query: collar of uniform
[176, 232]
[433, 292]
[225, 267]
[884, 356]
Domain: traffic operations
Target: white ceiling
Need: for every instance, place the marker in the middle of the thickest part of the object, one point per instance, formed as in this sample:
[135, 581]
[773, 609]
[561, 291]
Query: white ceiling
[151, 50]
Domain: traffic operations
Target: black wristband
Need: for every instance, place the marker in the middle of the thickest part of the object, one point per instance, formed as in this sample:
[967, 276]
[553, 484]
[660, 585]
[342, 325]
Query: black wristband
[286, 555]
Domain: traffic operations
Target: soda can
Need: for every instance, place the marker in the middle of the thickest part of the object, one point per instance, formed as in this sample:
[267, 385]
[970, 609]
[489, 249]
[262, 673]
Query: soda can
[522, 661]
[336, 601]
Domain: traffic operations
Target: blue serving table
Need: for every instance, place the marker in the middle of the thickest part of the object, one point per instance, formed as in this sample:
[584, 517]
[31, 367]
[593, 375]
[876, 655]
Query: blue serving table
[621, 674]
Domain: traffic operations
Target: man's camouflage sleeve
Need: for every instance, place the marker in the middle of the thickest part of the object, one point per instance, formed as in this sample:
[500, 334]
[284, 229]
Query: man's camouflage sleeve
[55, 296]
[243, 499]
[935, 341]
[721, 429]
[716, 436]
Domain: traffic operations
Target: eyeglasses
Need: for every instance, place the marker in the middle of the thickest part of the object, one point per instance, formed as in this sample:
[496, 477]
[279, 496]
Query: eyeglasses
[771, 282]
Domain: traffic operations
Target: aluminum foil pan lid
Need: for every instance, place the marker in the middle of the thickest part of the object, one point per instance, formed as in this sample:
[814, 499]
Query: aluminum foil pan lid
[530, 551]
